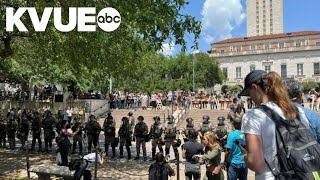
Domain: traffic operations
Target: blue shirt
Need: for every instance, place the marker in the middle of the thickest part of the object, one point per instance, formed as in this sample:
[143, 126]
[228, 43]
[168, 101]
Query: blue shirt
[235, 154]
[192, 147]
[314, 120]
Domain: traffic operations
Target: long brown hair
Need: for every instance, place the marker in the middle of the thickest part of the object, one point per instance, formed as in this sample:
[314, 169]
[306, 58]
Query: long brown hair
[211, 138]
[276, 92]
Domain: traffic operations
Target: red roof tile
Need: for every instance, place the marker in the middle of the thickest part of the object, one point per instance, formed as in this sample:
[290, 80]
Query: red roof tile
[270, 36]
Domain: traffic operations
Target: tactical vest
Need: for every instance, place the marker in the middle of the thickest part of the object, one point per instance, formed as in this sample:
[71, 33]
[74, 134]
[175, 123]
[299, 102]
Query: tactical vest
[2, 129]
[187, 131]
[93, 127]
[35, 124]
[109, 129]
[221, 131]
[124, 131]
[140, 129]
[156, 131]
[205, 128]
[170, 131]
[75, 127]
[48, 123]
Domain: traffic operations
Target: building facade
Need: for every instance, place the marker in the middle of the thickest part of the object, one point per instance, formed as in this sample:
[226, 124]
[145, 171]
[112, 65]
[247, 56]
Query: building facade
[292, 55]
[264, 17]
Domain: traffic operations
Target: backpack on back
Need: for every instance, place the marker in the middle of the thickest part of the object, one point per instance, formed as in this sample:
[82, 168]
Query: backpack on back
[156, 172]
[298, 152]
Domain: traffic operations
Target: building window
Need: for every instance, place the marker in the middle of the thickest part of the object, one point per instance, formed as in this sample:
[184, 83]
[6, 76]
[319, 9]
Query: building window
[222, 51]
[267, 46]
[283, 71]
[225, 72]
[267, 68]
[298, 44]
[316, 68]
[253, 47]
[317, 43]
[299, 69]
[238, 49]
[281, 45]
[238, 72]
[252, 68]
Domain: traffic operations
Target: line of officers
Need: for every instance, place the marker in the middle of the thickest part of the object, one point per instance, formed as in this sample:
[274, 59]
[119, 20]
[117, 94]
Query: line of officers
[19, 124]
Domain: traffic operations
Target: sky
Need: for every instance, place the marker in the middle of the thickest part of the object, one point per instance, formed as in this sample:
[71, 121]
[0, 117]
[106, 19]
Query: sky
[222, 19]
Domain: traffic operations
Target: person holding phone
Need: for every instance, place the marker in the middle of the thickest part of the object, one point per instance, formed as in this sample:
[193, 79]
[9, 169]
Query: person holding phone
[235, 149]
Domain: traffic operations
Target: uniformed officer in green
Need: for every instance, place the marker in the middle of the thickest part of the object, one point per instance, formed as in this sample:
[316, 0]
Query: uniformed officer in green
[205, 126]
[171, 137]
[36, 131]
[11, 131]
[109, 128]
[186, 131]
[221, 131]
[3, 131]
[23, 129]
[156, 135]
[125, 133]
[77, 138]
[48, 123]
[93, 130]
[140, 133]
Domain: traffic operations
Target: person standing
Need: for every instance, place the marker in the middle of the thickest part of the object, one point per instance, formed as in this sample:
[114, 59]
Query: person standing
[140, 132]
[156, 136]
[125, 133]
[170, 137]
[48, 123]
[36, 131]
[93, 130]
[236, 167]
[160, 170]
[189, 149]
[77, 138]
[11, 131]
[109, 129]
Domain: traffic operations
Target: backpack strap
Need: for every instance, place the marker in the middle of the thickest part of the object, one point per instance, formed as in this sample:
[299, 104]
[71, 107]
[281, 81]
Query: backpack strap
[279, 121]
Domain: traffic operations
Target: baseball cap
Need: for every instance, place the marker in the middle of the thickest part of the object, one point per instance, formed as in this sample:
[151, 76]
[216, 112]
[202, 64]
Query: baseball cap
[252, 77]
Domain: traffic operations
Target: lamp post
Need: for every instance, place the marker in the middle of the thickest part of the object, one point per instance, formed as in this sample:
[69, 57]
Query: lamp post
[193, 58]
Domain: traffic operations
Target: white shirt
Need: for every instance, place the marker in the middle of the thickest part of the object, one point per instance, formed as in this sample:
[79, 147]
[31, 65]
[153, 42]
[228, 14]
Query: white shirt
[91, 158]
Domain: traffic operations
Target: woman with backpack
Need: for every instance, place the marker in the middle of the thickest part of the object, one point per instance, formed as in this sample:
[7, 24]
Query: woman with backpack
[263, 126]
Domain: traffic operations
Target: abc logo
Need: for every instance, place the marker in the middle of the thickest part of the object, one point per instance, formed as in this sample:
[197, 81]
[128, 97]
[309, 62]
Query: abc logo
[109, 19]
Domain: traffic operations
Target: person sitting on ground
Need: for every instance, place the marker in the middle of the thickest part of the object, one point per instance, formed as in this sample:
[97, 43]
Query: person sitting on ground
[160, 170]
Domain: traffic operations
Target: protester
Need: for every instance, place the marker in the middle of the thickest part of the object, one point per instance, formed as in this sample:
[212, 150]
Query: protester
[189, 149]
[160, 170]
[236, 167]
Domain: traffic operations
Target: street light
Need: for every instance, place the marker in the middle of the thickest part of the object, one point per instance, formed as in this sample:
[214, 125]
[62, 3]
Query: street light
[193, 53]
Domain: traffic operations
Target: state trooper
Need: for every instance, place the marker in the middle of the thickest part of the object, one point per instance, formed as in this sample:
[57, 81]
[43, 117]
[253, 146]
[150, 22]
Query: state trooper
[3, 131]
[77, 138]
[171, 137]
[221, 131]
[125, 133]
[11, 131]
[36, 131]
[23, 129]
[109, 128]
[48, 131]
[156, 135]
[205, 126]
[132, 120]
[93, 130]
[186, 131]
[141, 136]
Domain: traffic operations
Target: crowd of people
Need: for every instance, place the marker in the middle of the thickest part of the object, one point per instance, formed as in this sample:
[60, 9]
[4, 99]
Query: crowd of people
[277, 139]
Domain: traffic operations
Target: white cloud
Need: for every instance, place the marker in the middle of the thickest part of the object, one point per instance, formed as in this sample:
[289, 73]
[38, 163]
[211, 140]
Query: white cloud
[220, 17]
[168, 49]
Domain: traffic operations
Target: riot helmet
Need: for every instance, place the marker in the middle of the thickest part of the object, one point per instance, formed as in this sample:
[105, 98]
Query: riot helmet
[221, 118]
[205, 118]
[125, 120]
[156, 119]
[140, 118]
[170, 119]
[130, 113]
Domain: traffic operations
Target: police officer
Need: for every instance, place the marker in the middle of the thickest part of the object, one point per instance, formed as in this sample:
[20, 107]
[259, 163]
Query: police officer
[156, 136]
[3, 131]
[141, 132]
[189, 127]
[171, 137]
[36, 131]
[48, 123]
[125, 133]
[109, 128]
[77, 138]
[93, 130]
[221, 131]
[11, 130]
[132, 120]
[23, 129]
[205, 126]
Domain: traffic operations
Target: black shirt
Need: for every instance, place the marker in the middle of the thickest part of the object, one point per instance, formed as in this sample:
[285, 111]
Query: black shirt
[192, 147]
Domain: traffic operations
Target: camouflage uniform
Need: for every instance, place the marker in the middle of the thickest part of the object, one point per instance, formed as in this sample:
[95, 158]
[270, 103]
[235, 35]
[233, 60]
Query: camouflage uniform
[93, 130]
[206, 125]
[3, 133]
[23, 129]
[11, 132]
[221, 131]
[109, 129]
[189, 127]
[125, 133]
[171, 137]
[48, 123]
[140, 132]
[36, 131]
[78, 137]
[156, 133]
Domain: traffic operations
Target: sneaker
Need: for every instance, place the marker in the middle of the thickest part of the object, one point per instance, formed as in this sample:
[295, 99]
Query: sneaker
[137, 158]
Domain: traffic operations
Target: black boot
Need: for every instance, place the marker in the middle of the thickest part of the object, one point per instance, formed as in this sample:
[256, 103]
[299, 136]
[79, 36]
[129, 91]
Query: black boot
[161, 150]
[129, 152]
[113, 151]
[153, 154]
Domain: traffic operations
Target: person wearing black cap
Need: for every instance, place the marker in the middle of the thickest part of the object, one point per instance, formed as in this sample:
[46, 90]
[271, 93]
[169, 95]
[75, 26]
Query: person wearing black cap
[264, 89]
[140, 132]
